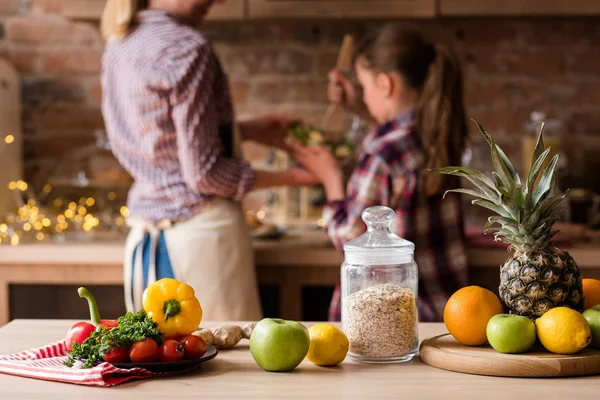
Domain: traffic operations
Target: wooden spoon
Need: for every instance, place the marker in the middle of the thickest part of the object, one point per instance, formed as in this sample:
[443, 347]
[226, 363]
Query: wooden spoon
[333, 120]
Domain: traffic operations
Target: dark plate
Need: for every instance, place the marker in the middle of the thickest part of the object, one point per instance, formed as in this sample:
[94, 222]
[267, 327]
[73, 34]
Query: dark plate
[211, 353]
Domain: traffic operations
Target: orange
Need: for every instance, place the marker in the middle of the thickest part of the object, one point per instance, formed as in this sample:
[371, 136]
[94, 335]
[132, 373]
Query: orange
[467, 313]
[591, 292]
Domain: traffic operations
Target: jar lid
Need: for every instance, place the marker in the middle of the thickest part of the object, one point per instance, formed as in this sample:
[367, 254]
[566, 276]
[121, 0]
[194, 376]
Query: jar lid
[378, 245]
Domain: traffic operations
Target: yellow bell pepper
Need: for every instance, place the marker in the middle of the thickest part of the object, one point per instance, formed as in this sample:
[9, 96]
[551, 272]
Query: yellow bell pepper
[173, 306]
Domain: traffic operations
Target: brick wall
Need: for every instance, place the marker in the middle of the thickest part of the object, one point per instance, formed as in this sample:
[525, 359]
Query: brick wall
[512, 67]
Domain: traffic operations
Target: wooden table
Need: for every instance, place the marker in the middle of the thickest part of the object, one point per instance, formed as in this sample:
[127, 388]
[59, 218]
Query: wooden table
[234, 375]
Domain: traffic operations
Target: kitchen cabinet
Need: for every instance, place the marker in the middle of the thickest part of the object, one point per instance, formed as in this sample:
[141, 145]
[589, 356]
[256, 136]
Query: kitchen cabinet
[259, 9]
[91, 10]
[518, 7]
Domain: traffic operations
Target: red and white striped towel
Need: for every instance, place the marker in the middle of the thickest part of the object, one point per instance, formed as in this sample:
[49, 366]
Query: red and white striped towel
[47, 363]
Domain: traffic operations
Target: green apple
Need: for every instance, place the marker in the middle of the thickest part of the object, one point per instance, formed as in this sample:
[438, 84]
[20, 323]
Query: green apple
[278, 345]
[593, 318]
[511, 333]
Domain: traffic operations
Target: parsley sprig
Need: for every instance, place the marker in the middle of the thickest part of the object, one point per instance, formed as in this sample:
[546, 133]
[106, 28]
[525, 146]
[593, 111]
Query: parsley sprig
[131, 328]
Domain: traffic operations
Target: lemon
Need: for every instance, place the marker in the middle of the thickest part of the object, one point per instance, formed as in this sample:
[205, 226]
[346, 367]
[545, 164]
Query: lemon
[563, 330]
[328, 345]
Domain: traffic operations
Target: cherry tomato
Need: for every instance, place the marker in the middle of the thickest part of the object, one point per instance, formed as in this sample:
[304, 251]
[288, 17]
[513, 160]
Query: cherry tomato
[171, 351]
[177, 338]
[117, 355]
[144, 351]
[194, 347]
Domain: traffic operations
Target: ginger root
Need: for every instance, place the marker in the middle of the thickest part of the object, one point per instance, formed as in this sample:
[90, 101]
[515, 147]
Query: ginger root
[226, 336]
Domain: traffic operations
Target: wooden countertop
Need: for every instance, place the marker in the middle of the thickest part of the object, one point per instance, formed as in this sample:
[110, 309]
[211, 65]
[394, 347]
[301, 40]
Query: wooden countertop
[234, 375]
[297, 248]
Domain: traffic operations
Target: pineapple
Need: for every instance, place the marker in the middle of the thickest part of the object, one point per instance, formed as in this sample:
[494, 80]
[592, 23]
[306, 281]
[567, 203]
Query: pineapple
[538, 276]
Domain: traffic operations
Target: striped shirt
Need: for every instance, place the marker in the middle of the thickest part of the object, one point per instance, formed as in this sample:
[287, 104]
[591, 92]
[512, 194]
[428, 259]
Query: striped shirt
[387, 174]
[168, 114]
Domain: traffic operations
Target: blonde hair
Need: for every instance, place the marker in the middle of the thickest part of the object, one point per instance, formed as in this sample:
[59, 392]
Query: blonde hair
[118, 18]
[435, 72]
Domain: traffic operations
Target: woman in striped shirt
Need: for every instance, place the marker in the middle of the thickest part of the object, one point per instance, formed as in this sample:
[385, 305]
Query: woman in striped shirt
[168, 114]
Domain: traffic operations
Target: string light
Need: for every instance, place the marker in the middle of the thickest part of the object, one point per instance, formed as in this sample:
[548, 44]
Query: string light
[37, 220]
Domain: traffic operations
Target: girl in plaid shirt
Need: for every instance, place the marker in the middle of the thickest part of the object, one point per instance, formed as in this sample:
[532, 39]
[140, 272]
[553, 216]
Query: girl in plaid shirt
[413, 90]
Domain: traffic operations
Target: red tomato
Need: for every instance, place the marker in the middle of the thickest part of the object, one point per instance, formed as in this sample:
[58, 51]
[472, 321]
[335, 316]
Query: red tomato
[144, 351]
[117, 355]
[171, 351]
[78, 333]
[194, 347]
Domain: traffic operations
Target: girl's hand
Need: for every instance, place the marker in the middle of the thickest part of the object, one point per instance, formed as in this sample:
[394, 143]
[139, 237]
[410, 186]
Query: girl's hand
[323, 165]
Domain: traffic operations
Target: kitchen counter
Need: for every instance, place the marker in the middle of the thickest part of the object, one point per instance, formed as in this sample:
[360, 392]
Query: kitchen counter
[300, 258]
[234, 375]
[297, 248]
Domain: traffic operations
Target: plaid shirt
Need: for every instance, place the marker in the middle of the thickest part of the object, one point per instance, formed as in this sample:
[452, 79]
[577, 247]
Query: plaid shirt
[169, 117]
[387, 174]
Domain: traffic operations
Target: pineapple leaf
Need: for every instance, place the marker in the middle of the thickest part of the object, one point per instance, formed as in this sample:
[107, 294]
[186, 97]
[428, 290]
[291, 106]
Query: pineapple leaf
[546, 181]
[519, 196]
[550, 202]
[535, 170]
[499, 165]
[511, 207]
[539, 146]
[491, 206]
[511, 168]
[499, 185]
[474, 193]
[477, 178]
[497, 220]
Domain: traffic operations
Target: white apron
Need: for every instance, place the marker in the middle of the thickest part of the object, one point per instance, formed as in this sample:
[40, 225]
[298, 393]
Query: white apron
[212, 252]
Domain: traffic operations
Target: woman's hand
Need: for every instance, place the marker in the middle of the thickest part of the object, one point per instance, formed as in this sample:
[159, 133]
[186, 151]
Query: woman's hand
[323, 165]
[270, 130]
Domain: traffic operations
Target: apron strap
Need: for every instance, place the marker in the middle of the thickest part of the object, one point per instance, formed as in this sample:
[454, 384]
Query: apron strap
[134, 273]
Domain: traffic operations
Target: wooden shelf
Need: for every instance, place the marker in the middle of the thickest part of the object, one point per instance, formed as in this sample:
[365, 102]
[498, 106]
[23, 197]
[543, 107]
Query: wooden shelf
[237, 10]
[91, 10]
[519, 8]
[259, 9]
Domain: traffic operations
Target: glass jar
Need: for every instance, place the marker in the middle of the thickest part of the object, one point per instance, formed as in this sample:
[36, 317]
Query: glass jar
[379, 282]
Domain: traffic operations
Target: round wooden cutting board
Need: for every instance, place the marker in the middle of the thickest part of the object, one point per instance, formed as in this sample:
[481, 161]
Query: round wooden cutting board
[445, 352]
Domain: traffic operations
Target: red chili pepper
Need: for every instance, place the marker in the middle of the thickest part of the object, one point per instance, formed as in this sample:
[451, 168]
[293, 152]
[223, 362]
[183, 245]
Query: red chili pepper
[82, 330]
[108, 324]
